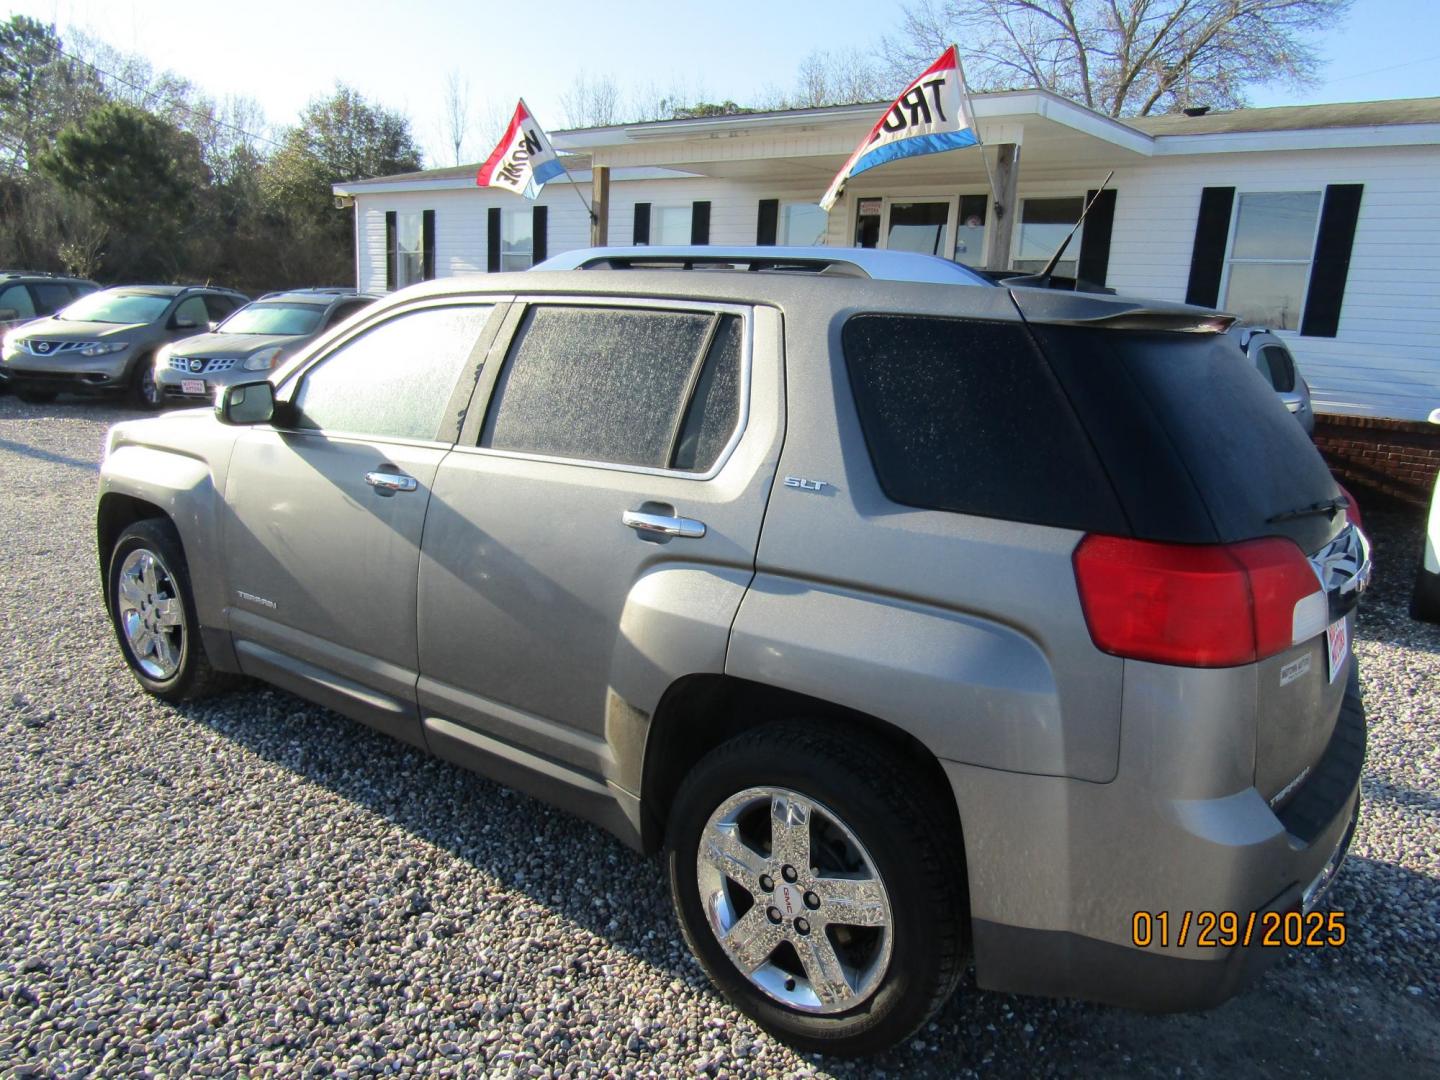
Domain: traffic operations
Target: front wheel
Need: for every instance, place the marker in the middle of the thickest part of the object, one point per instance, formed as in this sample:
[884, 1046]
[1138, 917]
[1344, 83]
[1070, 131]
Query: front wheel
[819, 886]
[145, 391]
[151, 606]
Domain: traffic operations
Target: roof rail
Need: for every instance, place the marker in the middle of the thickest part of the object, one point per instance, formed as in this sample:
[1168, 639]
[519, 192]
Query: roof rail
[845, 262]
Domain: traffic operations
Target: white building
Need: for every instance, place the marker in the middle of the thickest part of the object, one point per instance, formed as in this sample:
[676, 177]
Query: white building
[1320, 220]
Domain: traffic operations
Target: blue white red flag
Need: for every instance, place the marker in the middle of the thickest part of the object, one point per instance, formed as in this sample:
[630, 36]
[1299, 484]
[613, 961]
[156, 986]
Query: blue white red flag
[524, 160]
[929, 117]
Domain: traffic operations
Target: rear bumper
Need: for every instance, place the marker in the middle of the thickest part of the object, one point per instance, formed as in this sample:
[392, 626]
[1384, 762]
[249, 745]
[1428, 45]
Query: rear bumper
[1234, 855]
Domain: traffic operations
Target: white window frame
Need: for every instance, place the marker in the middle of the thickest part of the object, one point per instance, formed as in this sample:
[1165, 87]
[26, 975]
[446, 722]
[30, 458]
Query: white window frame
[507, 215]
[401, 278]
[951, 200]
[1310, 262]
[1071, 252]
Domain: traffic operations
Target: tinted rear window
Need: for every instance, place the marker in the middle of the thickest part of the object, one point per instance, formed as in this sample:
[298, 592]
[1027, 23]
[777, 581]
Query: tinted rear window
[1198, 448]
[965, 416]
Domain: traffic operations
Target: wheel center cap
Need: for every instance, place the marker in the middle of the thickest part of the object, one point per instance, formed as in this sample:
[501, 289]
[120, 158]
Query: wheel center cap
[790, 899]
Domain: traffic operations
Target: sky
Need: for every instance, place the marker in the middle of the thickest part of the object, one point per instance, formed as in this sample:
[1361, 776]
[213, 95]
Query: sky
[283, 54]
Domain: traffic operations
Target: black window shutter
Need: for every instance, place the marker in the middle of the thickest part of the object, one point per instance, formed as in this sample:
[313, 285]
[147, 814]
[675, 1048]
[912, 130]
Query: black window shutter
[1332, 260]
[700, 223]
[392, 255]
[539, 218]
[642, 223]
[1095, 238]
[1207, 259]
[427, 241]
[767, 228]
[492, 240]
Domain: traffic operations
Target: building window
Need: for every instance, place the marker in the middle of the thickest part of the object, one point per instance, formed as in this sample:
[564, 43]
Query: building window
[802, 225]
[1044, 223]
[1271, 249]
[409, 248]
[970, 231]
[517, 239]
[670, 226]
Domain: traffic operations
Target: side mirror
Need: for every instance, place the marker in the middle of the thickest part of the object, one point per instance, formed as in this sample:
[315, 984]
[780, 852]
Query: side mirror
[246, 403]
[185, 324]
[214, 326]
[8, 314]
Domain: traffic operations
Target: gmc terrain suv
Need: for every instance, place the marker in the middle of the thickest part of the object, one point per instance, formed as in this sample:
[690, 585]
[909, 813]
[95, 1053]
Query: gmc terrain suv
[106, 341]
[913, 621]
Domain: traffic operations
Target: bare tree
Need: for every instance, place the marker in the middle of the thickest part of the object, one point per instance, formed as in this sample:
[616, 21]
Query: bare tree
[456, 116]
[1121, 57]
[592, 102]
[841, 78]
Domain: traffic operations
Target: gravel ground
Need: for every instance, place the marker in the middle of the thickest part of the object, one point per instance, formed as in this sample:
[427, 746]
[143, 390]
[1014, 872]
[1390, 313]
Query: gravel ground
[256, 886]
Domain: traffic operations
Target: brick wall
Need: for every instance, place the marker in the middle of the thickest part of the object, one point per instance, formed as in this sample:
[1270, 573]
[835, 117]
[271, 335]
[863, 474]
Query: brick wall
[1398, 458]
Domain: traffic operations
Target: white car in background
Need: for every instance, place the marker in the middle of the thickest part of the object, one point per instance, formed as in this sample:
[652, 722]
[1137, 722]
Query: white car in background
[1425, 601]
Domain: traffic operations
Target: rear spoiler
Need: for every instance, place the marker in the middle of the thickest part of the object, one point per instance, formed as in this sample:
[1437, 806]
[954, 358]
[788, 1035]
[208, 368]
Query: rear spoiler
[1104, 313]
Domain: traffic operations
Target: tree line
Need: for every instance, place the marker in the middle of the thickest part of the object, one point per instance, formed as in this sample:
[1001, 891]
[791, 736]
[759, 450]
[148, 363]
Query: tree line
[111, 170]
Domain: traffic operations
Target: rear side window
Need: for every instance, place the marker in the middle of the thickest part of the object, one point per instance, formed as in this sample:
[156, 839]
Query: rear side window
[1276, 365]
[627, 386]
[965, 416]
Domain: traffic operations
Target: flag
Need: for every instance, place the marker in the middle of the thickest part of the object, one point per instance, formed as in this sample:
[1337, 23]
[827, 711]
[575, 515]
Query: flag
[929, 117]
[524, 160]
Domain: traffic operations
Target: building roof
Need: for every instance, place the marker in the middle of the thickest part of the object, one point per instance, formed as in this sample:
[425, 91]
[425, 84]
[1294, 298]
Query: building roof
[1293, 117]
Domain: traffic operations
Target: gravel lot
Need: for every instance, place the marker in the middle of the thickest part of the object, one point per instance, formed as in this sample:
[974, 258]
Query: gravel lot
[256, 886]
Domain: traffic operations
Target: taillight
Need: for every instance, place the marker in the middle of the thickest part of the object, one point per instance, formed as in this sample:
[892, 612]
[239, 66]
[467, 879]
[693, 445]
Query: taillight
[1197, 605]
[1352, 512]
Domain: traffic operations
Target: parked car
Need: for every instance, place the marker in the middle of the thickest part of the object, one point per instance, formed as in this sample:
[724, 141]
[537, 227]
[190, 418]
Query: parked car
[840, 590]
[26, 295]
[106, 341]
[1425, 599]
[257, 338]
[1272, 359]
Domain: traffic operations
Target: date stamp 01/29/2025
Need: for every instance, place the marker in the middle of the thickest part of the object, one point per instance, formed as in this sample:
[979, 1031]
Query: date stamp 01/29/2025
[1228, 929]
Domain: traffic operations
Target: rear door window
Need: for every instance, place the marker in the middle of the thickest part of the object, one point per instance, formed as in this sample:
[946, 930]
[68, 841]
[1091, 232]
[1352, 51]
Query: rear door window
[624, 386]
[50, 298]
[219, 307]
[964, 415]
[191, 311]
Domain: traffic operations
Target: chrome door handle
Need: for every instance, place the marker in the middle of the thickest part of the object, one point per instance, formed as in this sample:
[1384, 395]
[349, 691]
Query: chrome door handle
[663, 524]
[388, 482]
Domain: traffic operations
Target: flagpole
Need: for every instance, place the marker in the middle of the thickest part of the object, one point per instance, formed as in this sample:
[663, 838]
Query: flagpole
[576, 185]
[984, 159]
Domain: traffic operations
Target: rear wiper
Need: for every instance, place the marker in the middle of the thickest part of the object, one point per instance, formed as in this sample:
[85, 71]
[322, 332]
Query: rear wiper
[1328, 506]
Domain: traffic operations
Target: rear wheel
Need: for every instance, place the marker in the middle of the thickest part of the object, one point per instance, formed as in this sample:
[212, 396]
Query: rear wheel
[1425, 600]
[153, 610]
[145, 392]
[35, 397]
[816, 883]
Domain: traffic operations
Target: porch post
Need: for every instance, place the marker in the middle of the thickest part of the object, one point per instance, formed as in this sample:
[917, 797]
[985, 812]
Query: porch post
[600, 206]
[997, 237]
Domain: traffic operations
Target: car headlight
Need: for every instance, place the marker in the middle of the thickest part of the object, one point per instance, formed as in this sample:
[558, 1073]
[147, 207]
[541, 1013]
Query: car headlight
[263, 360]
[11, 343]
[104, 348]
[162, 356]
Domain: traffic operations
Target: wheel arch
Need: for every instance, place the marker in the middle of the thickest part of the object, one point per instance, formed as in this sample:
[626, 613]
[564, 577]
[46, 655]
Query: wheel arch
[116, 513]
[699, 712]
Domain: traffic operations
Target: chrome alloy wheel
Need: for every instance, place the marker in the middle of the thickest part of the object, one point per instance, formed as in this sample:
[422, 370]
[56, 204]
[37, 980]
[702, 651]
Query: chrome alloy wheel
[151, 614]
[794, 899]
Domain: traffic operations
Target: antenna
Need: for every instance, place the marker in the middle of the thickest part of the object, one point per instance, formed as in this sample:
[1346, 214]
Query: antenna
[1044, 275]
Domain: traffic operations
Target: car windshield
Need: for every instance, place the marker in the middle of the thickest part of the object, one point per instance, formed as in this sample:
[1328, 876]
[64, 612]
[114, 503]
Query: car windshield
[274, 319]
[112, 307]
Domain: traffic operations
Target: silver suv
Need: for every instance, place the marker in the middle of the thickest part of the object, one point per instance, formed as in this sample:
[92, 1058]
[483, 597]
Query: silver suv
[913, 622]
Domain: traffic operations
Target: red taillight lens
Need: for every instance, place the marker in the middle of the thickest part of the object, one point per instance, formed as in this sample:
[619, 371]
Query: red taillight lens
[1193, 605]
[1352, 512]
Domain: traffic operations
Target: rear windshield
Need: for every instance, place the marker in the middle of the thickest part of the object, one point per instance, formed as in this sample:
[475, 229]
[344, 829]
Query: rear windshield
[1199, 449]
[290, 319]
[112, 307]
[965, 416]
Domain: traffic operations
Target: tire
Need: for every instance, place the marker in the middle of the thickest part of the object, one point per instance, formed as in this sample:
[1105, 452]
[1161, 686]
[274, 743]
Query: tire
[170, 662]
[35, 397]
[145, 392]
[867, 815]
[1425, 599]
